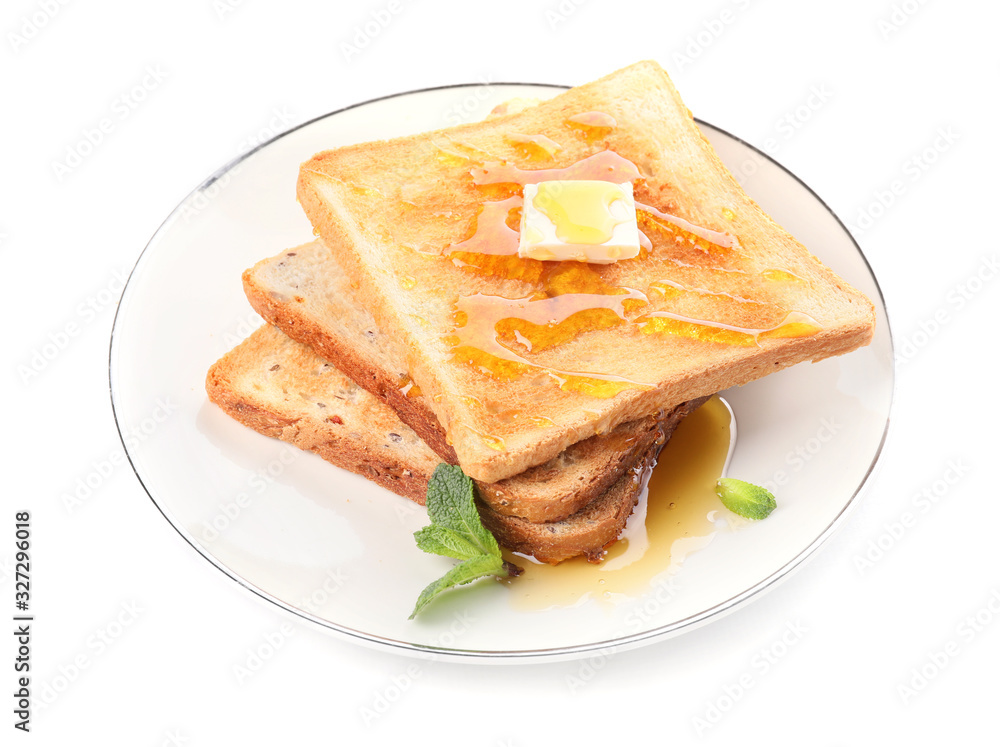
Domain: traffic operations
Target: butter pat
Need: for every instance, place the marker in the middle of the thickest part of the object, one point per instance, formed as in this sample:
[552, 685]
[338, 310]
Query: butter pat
[579, 220]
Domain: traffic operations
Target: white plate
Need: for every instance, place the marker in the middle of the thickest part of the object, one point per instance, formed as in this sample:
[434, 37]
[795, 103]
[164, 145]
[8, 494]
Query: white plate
[335, 549]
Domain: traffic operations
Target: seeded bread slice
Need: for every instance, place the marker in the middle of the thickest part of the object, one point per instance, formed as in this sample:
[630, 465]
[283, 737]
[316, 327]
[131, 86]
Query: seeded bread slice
[306, 294]
[282, 389]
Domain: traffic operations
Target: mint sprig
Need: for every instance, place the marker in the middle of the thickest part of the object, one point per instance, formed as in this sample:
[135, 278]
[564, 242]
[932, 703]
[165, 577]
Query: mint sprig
[456, 531]
[744, 498]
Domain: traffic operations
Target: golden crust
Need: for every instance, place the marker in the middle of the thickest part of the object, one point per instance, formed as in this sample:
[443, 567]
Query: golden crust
[360, 200]
[304, 293]
[282, 389]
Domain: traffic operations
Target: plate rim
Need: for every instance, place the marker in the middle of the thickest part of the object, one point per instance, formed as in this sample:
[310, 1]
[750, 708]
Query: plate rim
[553, 654]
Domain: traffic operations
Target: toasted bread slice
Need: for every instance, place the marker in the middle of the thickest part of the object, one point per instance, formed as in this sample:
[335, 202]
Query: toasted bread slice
[282, 389]
[590, 526]
[518, 358]
[304, 293]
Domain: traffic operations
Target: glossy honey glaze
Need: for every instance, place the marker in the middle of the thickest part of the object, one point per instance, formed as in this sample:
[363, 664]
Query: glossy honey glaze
[502, 334]
[515, 313]
[677, 514]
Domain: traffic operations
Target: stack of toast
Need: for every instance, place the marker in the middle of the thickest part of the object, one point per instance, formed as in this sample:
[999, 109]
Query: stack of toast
[411, 332]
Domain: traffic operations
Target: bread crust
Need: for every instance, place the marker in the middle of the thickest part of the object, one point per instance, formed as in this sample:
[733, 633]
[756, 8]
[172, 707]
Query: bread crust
[352, 197]
[305, 294]
[282, 389]
[290, 316]
[589, 532]
[384, 467]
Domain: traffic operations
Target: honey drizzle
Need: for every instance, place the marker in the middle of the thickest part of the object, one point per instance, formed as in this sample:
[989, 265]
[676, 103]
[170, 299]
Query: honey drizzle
[672, 288]
[704, 238]
[408, 388]
[495, 333]
[605, 165]
[489, 327]
[454, 149]
[677, 515]
[534, 147]
[795, 324]
[509, 266]
[781, 276]
[492, 235]
[593, 119]
[592, 125]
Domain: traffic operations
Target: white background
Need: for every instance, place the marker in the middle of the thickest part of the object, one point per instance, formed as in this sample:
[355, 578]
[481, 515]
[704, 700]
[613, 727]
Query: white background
[888, 110]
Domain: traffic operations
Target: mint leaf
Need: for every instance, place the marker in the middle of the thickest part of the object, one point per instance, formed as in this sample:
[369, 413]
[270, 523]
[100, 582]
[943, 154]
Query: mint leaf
[456, 531]
[463, 573]
[744, 498]
[444, 541]
[451, 503]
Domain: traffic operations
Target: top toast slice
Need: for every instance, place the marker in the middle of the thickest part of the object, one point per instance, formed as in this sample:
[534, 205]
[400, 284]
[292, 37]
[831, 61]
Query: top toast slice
[520, 358]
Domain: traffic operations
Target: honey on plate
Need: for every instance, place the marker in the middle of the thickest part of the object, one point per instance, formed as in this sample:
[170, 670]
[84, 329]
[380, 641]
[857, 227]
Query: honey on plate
[677, 514]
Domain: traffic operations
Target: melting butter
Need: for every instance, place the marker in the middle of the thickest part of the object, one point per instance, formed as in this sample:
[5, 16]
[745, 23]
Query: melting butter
[581, 210]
